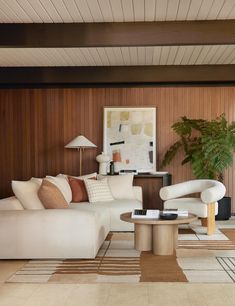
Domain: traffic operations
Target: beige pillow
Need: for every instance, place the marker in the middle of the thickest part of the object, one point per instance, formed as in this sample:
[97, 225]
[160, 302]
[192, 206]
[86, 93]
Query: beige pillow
[51, 196]
[98, 191]
[27, 193]
[121, 186]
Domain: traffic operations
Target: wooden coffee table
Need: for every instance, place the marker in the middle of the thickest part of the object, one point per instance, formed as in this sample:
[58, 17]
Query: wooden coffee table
[160, 236]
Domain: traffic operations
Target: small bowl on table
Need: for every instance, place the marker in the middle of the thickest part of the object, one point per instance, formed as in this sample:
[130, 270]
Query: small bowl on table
[168, 216]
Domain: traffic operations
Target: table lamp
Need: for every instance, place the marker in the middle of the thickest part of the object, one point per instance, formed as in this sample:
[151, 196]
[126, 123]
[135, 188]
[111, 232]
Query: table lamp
[80, 143]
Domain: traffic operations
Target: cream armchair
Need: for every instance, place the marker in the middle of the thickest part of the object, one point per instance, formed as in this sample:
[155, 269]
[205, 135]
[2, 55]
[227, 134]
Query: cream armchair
[205, 207]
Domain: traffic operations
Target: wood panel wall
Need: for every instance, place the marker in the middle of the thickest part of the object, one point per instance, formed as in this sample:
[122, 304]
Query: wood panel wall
[35, 124]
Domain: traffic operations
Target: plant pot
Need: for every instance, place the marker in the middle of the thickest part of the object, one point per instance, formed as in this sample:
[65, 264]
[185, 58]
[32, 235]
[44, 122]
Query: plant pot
[224, 209]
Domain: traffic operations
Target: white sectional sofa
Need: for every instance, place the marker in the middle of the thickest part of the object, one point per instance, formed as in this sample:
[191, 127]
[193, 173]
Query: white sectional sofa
[77, 232]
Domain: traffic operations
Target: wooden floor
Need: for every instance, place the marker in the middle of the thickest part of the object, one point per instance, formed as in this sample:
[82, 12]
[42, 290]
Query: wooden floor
[117, 294]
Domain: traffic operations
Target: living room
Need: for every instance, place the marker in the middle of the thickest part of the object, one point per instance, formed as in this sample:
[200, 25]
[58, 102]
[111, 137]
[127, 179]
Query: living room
[63, 64]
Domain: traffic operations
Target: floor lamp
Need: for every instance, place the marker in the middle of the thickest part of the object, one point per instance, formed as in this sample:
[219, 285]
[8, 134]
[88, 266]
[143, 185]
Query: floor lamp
[80, 143]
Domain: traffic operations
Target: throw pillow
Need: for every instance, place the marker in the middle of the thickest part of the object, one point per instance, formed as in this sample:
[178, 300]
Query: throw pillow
[121, 186]
[87, 176]
[51, 196]
[98, 191]
[27, 193]
[63, 185]
[82, 177]
[37, 180]
[79, 193]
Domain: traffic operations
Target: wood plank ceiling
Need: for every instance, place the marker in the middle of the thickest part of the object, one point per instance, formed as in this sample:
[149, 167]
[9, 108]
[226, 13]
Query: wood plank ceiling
[114, 11]
[57, 11]
[118, 56]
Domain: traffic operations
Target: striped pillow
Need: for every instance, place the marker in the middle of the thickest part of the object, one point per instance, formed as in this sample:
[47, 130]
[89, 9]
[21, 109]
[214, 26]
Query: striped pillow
[98, 191]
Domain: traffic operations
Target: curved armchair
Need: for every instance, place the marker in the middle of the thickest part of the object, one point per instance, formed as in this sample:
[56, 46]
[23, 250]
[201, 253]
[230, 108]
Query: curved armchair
[205, 207]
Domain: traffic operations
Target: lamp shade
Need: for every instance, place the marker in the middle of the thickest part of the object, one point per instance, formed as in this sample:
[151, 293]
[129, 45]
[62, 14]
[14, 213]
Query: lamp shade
[80, 142]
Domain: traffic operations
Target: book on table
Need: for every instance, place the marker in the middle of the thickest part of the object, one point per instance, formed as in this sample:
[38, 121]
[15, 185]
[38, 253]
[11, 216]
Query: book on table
[145, 214]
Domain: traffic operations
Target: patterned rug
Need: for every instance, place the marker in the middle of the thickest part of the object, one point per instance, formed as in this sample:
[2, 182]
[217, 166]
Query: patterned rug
[198, 258]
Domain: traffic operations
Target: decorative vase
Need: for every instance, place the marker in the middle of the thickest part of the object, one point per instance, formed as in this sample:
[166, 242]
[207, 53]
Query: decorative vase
[103, 160]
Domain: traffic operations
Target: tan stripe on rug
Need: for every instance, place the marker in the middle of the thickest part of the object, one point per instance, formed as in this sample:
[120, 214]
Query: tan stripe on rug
[160, 268]
[207, 244]
[229, 232]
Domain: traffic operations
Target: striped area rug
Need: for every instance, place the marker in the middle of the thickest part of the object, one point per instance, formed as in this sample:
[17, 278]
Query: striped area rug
[228, 264]
[99, 265]
[207, 244]
[118, 262]
[102, 266]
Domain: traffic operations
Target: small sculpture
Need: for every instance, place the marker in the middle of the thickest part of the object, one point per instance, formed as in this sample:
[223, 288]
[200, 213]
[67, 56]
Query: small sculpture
[103, 160]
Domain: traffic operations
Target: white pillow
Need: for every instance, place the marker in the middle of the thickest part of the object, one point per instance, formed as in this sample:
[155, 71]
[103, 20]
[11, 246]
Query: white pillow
[62, 184]
[98, 191]
[27, 194]
[82, 177]
[37, 180]
[63, 176]
[121, 186]
[87, 176]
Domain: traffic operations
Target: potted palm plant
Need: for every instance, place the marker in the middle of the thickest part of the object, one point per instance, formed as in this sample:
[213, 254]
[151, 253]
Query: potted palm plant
[209, 147]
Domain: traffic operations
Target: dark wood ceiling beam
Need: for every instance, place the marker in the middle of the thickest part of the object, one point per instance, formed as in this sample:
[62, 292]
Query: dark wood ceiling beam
[117, 34]
[117, 75]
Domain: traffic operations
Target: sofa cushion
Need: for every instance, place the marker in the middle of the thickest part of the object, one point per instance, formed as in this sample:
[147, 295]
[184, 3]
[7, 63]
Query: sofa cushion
[62, 184]
[50, 196]
[98, 190]
[118, 207]
[192, 205]
[11, 203]
[27, 193]
[102, 213]
[121, 186]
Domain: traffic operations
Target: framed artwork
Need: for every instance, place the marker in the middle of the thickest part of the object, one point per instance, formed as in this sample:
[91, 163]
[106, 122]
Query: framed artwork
[130, 137]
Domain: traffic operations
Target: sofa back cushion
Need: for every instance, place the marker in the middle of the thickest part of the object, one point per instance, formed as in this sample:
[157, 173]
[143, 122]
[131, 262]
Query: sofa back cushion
[98, 190]
[11, 203]
[51, 196]
[121, 186]
[27, 193]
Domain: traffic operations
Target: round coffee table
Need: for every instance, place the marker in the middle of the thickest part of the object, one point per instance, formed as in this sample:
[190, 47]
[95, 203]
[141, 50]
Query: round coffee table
[160, 236]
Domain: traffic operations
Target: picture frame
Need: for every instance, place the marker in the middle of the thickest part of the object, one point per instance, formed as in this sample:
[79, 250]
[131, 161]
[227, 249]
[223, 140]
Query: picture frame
[129, 138]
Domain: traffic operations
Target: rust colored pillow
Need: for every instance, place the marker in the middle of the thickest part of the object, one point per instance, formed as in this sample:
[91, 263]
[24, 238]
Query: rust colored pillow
[79, 193]
[51, 196]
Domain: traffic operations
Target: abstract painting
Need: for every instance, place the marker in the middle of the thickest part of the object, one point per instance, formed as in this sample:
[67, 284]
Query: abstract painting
[130, 137]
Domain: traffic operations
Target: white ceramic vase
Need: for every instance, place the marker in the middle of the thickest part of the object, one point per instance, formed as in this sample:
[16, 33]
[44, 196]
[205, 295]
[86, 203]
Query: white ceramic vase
[103, 160]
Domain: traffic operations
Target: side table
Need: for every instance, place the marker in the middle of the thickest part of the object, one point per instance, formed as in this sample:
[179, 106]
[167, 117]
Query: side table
[160, 236]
